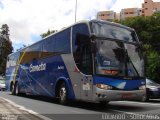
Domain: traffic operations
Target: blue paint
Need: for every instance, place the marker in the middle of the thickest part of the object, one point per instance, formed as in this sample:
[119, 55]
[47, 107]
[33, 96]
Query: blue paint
[42, 82]
[116, 83]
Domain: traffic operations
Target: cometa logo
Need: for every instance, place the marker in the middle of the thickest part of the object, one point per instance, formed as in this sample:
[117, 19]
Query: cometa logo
[36, 68]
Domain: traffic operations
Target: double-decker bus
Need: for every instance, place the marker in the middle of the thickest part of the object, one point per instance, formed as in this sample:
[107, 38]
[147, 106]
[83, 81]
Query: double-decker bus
[96, 61]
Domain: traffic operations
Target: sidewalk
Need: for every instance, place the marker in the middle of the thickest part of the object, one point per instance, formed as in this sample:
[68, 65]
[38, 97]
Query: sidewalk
[9, 111]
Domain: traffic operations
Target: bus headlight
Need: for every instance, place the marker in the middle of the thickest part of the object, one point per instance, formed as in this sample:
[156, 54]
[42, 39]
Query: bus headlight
[143, 87]
[103, 86]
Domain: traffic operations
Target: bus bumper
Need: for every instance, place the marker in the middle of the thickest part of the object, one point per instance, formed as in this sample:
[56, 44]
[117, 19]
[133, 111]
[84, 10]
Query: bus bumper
[118, 95]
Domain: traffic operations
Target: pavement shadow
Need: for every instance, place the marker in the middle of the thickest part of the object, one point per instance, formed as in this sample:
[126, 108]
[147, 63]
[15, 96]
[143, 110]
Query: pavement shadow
[154, 101]
[90, 106]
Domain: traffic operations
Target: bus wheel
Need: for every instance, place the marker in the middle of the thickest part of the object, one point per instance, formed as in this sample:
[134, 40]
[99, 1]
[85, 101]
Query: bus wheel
[16, 89]
[103, 103]
[12, 89]
[62, 93]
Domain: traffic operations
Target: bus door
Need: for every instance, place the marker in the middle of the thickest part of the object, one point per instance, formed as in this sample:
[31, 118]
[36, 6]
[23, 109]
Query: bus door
[83, 58]
[86, 69]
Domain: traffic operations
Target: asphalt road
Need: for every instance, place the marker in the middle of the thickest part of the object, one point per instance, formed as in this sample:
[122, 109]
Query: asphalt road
[50, 108]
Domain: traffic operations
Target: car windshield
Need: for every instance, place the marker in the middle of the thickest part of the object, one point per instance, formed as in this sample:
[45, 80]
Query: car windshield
[150, 82]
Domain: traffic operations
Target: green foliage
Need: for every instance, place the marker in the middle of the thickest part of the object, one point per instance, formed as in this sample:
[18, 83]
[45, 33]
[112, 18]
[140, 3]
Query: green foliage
[153, 68]
[5, 47]
[43, 35]
[148, 31]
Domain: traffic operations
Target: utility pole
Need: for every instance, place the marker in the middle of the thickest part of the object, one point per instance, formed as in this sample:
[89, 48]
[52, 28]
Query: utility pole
[76, 11]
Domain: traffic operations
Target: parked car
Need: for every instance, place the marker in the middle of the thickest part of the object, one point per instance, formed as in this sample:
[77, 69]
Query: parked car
[152, 89]
[2, 84]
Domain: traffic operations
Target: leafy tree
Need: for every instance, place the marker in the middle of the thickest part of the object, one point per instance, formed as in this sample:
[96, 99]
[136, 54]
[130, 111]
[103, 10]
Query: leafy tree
[5, 47]
[43, 35]
[148, 30]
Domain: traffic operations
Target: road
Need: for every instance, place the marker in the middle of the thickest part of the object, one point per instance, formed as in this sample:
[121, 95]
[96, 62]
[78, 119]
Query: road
[81, 110]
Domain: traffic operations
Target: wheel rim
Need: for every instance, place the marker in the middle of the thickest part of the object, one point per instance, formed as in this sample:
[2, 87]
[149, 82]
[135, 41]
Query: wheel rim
[12, 89]
[62, 94]
[16, 89]
[144, 98]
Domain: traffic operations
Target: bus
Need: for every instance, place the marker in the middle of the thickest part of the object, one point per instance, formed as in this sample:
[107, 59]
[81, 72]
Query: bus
[94, 61]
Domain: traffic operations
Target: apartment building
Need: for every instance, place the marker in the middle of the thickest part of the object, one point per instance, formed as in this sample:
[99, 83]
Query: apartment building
[106, 15]
[149, 7]
[130, 12]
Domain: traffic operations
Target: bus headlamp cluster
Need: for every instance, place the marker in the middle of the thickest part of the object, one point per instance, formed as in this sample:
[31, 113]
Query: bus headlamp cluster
[143, 87]
[103, 86]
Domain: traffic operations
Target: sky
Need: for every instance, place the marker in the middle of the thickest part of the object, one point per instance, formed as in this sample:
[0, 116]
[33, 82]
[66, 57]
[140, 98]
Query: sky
[27, 19]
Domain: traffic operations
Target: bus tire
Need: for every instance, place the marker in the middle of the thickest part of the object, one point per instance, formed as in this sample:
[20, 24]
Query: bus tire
[103, 103]
[145, 98]
[12, 89]
[62, 93]
[16, 89]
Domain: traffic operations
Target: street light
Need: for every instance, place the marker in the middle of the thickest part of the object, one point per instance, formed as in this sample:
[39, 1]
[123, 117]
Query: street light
[75, 11]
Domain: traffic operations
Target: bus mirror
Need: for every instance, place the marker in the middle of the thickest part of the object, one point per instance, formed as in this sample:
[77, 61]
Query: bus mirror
[140, 46]
[93, 36]
[93, 46]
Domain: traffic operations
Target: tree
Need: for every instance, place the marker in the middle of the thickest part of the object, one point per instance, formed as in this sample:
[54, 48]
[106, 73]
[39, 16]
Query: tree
[148, 30]
[5, 47]
[43, 35]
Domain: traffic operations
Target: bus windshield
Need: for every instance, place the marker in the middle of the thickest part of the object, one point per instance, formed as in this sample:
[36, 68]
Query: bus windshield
[118, 53]
[112, 31]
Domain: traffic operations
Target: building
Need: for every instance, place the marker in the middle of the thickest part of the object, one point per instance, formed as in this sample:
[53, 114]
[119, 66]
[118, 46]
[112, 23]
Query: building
[130, 12]
[106, 15]
[149, 7]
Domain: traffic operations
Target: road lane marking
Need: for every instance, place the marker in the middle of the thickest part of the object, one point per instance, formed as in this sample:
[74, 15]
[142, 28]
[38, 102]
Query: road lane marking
[25, 109]
[154, 104]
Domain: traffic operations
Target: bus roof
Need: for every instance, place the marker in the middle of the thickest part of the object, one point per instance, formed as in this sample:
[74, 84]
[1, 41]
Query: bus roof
[82, 21]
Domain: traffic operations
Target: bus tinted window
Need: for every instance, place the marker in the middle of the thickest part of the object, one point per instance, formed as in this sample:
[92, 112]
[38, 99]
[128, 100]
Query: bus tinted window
[49, 44]
[79, 30]
[81, 48]
[63, 42]
[13, 59]
[113, 32]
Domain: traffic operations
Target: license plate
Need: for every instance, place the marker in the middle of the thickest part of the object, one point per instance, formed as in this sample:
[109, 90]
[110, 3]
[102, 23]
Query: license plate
[127, 96]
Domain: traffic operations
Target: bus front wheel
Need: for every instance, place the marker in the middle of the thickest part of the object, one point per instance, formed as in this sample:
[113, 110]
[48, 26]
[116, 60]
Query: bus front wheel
[62, 93]
[103, 103]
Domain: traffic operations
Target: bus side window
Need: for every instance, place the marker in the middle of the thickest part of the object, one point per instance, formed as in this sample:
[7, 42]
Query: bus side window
[81, 48]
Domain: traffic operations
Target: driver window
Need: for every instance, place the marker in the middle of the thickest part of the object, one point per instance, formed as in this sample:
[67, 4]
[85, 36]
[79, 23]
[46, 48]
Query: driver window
[81, 48]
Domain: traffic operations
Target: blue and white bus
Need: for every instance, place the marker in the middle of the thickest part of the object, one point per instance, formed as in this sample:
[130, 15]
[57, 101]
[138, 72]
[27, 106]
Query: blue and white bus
[96, 61]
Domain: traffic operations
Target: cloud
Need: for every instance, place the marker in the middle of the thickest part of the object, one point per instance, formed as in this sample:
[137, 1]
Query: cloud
[33, 17]
[120, 4]
[28, 18]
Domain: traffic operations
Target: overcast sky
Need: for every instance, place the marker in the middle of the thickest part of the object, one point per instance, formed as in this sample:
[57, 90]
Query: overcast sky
[27, 19]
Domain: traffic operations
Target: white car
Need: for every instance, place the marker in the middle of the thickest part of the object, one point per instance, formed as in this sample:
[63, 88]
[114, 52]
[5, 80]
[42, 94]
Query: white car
[2, 84]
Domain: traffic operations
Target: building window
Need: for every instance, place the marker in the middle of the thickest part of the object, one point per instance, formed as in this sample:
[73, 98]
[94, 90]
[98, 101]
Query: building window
[131, 13]
[146, 2]
[146, 8]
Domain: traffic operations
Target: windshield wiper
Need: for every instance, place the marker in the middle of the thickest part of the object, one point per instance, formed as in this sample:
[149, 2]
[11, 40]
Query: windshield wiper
[128, 60]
